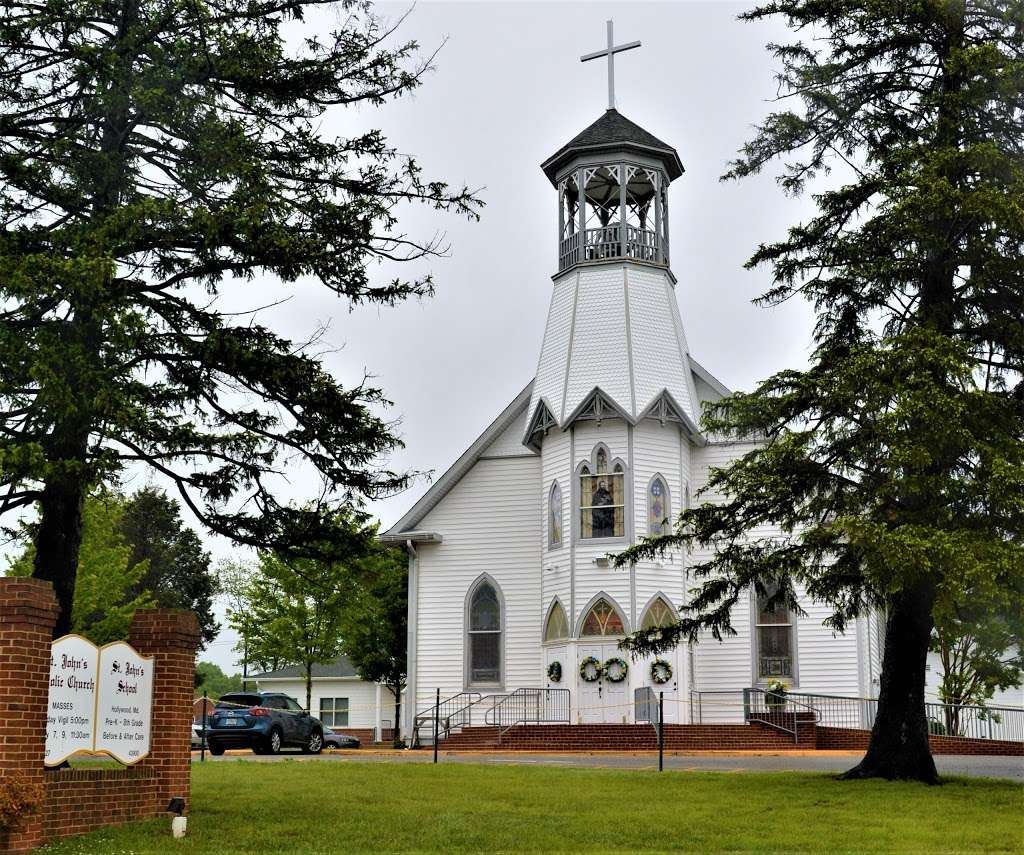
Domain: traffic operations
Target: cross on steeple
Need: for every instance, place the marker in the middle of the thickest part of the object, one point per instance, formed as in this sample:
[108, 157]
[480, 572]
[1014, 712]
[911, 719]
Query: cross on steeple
[610, 52]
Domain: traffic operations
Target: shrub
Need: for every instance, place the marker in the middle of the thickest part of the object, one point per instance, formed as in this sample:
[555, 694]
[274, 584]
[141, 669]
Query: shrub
[936, 727]
[19, 800]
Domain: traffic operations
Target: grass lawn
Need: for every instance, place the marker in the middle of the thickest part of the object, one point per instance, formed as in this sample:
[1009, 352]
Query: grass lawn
[296, 807]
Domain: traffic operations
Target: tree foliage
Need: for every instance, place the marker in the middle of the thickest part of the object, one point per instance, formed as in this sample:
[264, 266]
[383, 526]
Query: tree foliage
[374, 620]
[178, 571]
[210, 678]
[152, 156]
[107, 593]
[291, 613]
[892, 468]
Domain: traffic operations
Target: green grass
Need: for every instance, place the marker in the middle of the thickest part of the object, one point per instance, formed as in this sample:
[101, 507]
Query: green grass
[303, 807]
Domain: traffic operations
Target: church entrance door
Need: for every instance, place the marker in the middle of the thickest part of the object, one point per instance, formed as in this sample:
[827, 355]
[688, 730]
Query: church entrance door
[602, 701]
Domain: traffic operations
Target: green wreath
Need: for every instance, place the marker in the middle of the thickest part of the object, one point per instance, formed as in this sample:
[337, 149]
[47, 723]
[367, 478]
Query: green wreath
[612, 676]
[555, 672]
[661, 671]
[590, 669]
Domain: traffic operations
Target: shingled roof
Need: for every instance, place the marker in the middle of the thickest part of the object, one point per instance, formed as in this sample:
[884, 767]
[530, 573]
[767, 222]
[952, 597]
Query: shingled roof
[340, 667]
[614, 131]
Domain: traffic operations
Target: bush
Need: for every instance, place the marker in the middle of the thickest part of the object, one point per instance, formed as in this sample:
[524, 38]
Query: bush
[18, 800]
[936, 727]
[398, 742]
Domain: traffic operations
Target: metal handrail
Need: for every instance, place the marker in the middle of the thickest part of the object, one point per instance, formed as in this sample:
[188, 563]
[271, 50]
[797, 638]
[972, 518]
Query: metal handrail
[781, 701]
[529, 706]
[444, 711]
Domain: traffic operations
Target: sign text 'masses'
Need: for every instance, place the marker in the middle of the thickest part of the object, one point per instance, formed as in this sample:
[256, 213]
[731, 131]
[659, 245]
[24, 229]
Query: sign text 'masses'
[100, 701]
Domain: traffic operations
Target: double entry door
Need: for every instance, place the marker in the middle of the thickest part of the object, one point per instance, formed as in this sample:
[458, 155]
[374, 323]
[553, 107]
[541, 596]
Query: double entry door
[602, 701]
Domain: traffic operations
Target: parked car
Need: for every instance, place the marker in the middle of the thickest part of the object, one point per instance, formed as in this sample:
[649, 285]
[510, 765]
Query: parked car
[197, 734]
[266, 722]
[333, 739]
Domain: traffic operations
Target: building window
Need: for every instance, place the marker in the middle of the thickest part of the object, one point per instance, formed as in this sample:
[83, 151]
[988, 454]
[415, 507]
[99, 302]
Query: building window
[659, 613]
[484, 635]
[602, 497]
[334, 712]
[555, 516]
[774, 638]
[658, 508]
[602, 619]
[557, 627]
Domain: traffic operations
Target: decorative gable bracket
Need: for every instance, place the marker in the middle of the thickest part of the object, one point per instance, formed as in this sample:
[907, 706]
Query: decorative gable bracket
[596, 407]
[665, 409]
[539, 426]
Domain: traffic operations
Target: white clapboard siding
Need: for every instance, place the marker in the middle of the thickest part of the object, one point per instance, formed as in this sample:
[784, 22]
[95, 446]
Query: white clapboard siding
[490, 525]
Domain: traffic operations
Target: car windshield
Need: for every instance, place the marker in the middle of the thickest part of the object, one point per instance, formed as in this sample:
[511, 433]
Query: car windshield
[234, 701]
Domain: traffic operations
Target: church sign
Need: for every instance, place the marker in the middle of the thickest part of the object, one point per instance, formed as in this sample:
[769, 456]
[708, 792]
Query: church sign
[100, 701]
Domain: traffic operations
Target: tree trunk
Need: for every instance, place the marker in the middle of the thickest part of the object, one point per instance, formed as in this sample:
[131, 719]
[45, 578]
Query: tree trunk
[899, 739]
[396, 727]
[309, 685]
[57, 542]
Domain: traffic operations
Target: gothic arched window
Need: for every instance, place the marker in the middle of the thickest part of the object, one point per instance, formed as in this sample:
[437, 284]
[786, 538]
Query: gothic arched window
[602, 619]
[557, 626]
[555, 515]
[775, 637]
[659, 613]
[602, 497]
[658, 507]
[484, 634]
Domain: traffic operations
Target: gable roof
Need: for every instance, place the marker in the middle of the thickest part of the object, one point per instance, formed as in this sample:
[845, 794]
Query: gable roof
[340, 667]
[614, 131]
[406, 526]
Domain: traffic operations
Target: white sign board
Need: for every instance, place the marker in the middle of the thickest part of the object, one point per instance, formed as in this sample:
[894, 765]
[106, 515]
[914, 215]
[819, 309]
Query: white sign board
[124, 704]
[72, 707]
[101, 701]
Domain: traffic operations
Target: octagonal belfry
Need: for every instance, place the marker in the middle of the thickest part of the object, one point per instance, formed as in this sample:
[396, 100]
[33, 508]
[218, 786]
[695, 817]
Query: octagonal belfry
[612, 181]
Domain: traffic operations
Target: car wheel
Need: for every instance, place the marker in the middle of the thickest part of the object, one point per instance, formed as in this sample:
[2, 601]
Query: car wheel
[274, 742]
[216, 749]
[315, 743]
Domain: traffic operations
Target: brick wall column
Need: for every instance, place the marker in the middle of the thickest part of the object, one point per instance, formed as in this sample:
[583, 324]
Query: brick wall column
[28, 611]
[171, 636]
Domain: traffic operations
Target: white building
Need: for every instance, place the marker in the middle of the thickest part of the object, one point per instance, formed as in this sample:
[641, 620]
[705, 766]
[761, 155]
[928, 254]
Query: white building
[341, 699]
[602, 447]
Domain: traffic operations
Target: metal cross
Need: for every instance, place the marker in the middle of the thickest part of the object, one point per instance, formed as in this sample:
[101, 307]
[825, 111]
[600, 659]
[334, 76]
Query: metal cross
[610, 52]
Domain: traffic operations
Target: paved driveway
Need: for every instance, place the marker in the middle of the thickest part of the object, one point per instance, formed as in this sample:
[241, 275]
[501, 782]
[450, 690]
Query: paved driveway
[981, 767]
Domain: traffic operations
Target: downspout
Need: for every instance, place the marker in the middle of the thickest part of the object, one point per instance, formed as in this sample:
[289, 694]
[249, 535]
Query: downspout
[409, 712]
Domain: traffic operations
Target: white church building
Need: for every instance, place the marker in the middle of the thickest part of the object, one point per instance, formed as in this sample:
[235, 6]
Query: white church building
[509, 584]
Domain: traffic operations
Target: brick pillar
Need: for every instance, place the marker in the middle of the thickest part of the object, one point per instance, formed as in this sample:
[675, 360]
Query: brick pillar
[28, 611]
[171, 636]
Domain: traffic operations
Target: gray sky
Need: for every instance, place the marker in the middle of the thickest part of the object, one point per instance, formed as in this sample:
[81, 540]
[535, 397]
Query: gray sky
[508, 91]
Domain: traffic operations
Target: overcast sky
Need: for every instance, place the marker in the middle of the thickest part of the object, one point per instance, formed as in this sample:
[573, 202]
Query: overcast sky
[508, 91]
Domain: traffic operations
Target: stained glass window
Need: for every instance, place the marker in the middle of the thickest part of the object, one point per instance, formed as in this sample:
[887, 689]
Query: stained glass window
[774, 638]
[658, 614]
[603, 619]
[658, 510]
[485, 635]
[555, 516]
[602, 499]
[557, 627]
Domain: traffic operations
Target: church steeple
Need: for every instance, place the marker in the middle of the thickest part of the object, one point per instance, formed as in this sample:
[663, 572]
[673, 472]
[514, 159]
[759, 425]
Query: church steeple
[614, 346]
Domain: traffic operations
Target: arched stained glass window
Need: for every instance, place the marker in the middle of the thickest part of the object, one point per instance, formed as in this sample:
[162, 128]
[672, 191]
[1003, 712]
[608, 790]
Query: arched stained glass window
[557, 627]
[658, 507]
[659, 613]
[484, 635]
[602, 498]
[555, 516]
[603, 619]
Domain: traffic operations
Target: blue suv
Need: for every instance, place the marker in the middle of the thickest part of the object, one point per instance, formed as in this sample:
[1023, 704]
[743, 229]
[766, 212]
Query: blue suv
[266, 722]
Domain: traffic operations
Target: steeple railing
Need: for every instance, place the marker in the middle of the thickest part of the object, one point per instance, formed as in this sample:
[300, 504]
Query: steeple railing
[605, 242]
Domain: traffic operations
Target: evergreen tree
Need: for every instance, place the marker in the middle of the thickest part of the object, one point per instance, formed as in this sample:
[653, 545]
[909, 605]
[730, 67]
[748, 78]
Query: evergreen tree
[894, 465]
[154, 153]
[178, 568]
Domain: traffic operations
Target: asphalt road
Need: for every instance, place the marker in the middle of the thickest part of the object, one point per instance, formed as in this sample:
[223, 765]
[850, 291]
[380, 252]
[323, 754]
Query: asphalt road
[980, 767]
